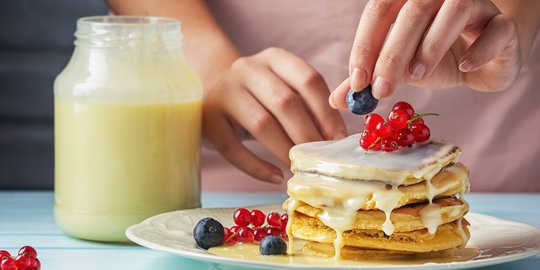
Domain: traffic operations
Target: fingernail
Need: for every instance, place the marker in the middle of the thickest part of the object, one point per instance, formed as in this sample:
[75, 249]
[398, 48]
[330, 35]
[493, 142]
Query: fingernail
[340, 134]
[381, 88]
[331, 101]
[465, 66]
[358, 79]
[418, 72]
[276, 178]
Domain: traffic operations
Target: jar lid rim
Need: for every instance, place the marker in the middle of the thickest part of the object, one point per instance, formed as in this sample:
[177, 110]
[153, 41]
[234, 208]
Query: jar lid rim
[121, 21]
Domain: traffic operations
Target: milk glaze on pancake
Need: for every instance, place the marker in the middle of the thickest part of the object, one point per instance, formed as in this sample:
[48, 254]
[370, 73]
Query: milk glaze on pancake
[341, 199]
[345, 159]
[405, 219]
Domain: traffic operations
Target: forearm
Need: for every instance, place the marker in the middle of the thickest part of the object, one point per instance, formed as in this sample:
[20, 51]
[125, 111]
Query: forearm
[526, 14]
[208, 50]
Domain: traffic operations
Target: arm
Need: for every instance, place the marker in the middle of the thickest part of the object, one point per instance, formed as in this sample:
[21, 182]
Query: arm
[199, 28]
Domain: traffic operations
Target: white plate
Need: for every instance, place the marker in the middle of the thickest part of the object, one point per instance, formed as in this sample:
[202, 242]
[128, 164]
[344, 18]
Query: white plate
[499, 240]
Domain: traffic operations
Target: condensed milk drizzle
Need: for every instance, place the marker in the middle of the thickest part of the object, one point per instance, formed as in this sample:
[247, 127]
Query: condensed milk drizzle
[293, 204]
[340, 199]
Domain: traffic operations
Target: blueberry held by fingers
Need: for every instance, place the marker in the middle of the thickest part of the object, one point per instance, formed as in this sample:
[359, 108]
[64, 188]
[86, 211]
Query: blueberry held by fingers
[361, 102]
[272, 245]
[208, 233]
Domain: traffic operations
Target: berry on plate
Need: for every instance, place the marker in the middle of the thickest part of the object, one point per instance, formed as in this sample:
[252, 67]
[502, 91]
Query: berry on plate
[273, 245]
[245, 235]
[208, 233]
[28, 250]
[259, 233]
[257, 218]
[8, 263]
[242, 217]
[274, 219]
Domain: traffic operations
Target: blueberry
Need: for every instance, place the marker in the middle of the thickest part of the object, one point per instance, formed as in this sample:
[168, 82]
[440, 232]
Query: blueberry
[272, 245]
[361, 102]
[208, 233]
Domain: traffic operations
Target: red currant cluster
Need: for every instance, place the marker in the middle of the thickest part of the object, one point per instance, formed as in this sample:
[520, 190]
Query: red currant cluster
[26, 259]
[242, 232]
[404, 128]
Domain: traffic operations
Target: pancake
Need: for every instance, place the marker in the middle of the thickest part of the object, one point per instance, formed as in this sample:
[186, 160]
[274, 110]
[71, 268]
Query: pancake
[345, 200]
[355, 253]
[346, 160]
[406, 218]
[449, 235]
[323, 191]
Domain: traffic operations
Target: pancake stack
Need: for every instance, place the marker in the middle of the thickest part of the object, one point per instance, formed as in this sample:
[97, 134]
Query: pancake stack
[348, 202]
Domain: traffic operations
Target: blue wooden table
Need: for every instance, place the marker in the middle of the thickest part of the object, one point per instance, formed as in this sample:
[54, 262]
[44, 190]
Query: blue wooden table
[26, 218]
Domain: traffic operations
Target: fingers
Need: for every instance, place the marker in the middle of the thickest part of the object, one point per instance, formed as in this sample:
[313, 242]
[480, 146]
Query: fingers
[337, 97]
[250, 114]
[448, 25]
[312, 89]
[498, 35]
[218, 130]
[393, 63]
[284, 103]
[374, 25]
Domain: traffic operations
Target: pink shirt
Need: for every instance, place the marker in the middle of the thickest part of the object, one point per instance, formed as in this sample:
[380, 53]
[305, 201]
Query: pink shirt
[499, 133]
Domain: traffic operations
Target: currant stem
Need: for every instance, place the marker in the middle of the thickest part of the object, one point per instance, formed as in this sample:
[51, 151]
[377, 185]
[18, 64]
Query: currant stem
[373, 144]
[418, 116]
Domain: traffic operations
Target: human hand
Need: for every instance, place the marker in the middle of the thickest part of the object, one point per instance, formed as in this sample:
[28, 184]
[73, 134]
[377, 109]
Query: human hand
[433, 43]
[277, 98]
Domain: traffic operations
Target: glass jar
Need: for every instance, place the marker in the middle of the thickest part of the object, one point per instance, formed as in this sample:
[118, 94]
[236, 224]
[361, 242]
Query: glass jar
[127, 127]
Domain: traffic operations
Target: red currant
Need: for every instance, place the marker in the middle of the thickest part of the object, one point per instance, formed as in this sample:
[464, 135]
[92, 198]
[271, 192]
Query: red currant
[384, 130]
[284, 235]
[398, 119]
[245, 235]
[371, 121]
[4, 253]
[38, 264]
[241, 217]
[367, 139]
[226, 234]
[389, 145]
[421, 132]
[257, 218]
[274, 219]
[229, 237]
[406, 107]
[232, 240]
[33, 263]
[273, 231]
[405, 137]
[284, 221]
[8, 263]
[28, 250]
[259, 233]
[23, 261]
[419, 120]
[235, 228]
